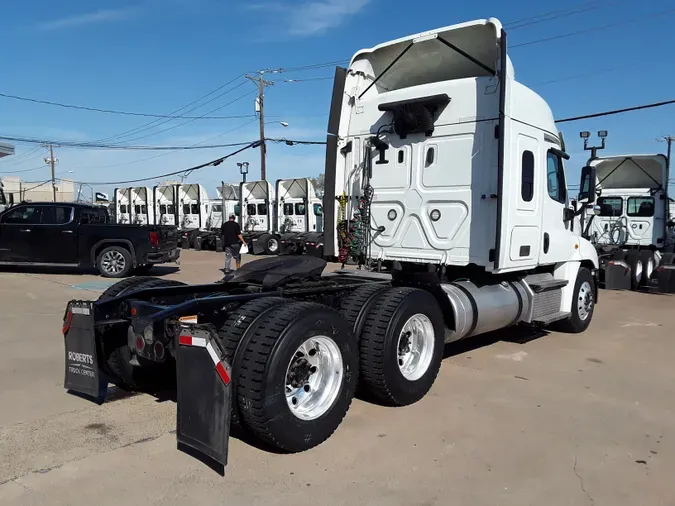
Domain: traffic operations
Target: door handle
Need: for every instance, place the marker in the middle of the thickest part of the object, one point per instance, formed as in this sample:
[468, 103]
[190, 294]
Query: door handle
[25, 230]
[66, 231]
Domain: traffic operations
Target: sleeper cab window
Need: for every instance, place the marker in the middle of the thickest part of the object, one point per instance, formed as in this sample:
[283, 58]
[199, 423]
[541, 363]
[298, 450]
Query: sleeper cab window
[527, 176]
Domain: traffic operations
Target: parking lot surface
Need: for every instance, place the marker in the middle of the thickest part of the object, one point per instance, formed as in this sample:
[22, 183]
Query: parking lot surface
[514, 418]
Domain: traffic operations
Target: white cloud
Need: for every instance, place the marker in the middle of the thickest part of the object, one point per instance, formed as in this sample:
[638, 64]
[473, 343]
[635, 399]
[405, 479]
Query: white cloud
[90, 18]
[313, 17]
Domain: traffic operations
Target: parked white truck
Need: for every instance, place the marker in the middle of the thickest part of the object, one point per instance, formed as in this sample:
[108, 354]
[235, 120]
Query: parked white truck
[299, 215]
[440, 168]
[631, 224]
[4, 200]
[257, 217]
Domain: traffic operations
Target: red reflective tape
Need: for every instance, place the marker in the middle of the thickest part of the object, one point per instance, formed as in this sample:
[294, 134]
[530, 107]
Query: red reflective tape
[69, 320]
[223, 373]
[185, 340]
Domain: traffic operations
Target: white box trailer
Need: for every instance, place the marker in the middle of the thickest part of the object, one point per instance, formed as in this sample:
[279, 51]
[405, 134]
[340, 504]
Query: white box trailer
[630, 222]
[442, 170]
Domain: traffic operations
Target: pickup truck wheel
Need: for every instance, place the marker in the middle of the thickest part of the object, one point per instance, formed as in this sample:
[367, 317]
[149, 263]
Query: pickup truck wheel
[402, 346]
[149, 375]
[114, 262]
[583, 304]
[235, 330]
[297, 375]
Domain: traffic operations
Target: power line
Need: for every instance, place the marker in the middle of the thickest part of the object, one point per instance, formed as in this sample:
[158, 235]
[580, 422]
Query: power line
[21, 171]
[616, 111]
[75, 144]
[167, 153]
[559, 13]
[214, 163]
[158, 122]
[592, 29]
[113, 111]
[190, 120]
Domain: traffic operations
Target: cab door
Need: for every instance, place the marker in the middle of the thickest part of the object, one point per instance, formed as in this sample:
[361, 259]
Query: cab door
[56, 236]
[557, 241]
[16, 234]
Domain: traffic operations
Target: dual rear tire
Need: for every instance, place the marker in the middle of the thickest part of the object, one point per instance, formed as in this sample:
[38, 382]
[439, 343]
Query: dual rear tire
[295, 364]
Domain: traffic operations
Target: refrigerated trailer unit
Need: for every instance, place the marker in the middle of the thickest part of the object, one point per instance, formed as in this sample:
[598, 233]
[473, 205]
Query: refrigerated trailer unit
[441, 169]
[630, 223]
[299, 215]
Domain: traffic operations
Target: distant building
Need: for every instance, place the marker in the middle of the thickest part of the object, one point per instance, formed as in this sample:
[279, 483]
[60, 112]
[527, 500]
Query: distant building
[36, 191]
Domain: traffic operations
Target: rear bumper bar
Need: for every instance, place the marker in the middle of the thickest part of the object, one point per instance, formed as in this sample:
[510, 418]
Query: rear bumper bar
[165, 256]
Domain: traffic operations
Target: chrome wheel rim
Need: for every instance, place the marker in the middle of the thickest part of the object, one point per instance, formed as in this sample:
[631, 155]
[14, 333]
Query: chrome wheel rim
[314, 378]
[415, 347]
[638, 272]
[113, 262]
[650, 268]
[585, 301]
[272, 245]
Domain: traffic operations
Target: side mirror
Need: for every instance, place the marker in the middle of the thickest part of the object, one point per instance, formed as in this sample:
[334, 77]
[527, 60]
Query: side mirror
[597, 210]
[587, 185]
[568, 214]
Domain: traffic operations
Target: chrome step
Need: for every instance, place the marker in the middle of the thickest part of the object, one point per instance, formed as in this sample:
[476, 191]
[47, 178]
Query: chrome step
[548, 284]
[551, 318]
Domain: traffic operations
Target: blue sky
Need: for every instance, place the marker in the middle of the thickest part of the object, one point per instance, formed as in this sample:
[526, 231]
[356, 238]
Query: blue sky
[155, 56]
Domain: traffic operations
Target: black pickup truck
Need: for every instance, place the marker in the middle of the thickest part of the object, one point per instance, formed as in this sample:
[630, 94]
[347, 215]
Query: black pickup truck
[67, 234]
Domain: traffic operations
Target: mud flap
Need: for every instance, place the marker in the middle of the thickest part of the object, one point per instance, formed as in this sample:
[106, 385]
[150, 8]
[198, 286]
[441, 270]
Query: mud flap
[204, 394]
[617, 275]
[663, 279]
[82, 374]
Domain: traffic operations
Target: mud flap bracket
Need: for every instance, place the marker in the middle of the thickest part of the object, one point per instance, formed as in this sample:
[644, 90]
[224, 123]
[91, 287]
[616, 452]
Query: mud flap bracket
[204, 392]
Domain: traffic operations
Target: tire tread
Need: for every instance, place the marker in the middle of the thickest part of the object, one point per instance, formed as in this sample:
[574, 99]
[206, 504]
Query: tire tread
[254, 362]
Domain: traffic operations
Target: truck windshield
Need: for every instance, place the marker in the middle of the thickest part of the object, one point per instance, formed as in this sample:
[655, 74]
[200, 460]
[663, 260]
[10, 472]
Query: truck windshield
[640, 206]
[610, 206]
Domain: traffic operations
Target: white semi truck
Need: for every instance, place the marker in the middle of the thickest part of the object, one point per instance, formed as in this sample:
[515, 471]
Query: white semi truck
[441, 169]
[256, 217]
[4, 200]
[632, 223]
[299, 215]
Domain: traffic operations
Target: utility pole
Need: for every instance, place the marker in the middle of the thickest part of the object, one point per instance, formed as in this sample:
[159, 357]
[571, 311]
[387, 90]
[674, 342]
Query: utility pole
[51, 161]
[260, 101]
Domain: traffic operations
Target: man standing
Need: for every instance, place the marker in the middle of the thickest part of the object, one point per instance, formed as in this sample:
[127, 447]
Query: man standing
[231, 232]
